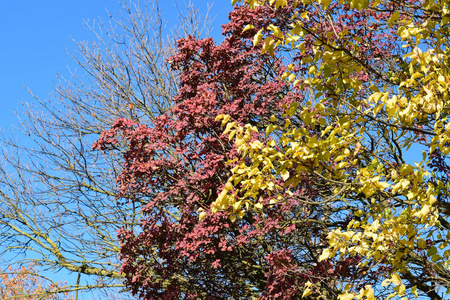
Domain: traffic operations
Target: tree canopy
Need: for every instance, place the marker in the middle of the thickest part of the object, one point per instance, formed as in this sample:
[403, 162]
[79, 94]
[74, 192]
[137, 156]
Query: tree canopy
[376, 131]
[303, 157]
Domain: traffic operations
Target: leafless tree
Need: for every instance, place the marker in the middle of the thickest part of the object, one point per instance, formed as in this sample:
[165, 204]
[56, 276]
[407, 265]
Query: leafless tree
[57, 197]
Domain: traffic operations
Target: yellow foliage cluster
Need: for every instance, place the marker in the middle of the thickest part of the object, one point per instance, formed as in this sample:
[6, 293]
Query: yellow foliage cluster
[398, 206]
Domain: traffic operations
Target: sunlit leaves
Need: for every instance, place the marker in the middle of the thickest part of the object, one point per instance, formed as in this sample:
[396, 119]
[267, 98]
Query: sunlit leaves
[357, 132]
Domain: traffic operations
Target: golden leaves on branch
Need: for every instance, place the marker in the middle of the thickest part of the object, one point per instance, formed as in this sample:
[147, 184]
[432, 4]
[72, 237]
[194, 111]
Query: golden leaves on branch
[399, 106]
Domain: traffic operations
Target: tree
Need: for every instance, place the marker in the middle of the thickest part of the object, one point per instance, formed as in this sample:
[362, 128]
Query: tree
[25, 283]
[369, 111]
[57, 197]
[320, 193]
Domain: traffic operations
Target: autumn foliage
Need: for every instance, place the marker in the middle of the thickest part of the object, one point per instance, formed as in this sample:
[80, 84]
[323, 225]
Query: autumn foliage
[26, 284]
[304, 157]
[177, 165]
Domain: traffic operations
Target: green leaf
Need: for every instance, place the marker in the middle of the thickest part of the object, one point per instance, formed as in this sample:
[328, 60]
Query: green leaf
[432, 251]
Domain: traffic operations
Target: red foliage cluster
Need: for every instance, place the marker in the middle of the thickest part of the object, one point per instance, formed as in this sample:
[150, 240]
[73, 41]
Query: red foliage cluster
[177, 165]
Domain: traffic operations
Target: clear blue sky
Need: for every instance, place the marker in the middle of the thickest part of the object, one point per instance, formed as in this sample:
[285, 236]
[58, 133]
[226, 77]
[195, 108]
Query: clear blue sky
[34, 37]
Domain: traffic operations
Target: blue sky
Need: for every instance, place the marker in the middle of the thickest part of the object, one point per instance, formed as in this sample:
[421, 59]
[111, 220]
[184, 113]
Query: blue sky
[35, 35]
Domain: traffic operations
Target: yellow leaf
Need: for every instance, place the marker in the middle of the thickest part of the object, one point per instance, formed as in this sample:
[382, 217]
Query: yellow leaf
[306, 292]
[394, 17]
[231, 136]
[276, 30]
[270, 128]
[369, 293]
[236, 205]
[341, 165]
[432, 200]
[391, 296]
[312, 69]
[328, 128]
[401, 290]
[414, 291]
[386, 282]
[406, 169]
[359, 213]
[268, 45]
[292, 108]
[248, 27]
[304, 15]
[325, 3]
[258, 37]
[228, 186]
[228, 128]
[346, 296]
[325, 255]
[291, 77]
[395, 279]
[403, 32]
[284, 174]
[378, 108]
